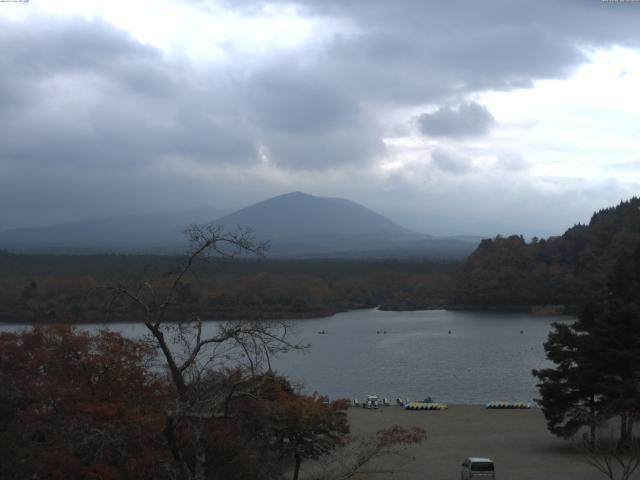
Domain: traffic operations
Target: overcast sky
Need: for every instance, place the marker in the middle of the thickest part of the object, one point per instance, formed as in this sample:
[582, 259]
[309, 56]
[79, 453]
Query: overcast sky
[447, 116]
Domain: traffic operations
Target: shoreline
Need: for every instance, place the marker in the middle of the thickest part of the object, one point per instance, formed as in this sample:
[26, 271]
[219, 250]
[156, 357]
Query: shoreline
[541, 310]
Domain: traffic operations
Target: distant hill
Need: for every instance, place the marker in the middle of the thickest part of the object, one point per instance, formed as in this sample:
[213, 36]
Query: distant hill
[128, 233]
[298, 214]
[565, 270]
[296, 225]
[301, 225]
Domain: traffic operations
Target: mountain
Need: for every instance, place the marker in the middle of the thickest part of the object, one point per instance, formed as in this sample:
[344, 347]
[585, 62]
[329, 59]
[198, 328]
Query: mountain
[566, 270]
[296, 225]
[302, 225]
[129, 233]
[298, 214]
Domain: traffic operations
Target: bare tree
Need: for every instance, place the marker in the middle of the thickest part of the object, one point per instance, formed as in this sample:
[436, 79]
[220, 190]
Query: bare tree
[362, 455]
[190, 350]
[613, 459]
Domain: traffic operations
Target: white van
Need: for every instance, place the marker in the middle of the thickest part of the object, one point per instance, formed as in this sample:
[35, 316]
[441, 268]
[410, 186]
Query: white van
[478, 468]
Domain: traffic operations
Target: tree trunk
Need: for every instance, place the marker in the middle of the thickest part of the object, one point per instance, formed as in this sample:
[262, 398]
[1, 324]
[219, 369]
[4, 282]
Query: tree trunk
[183, 468]
[592, 434]
[624, 430]
[594, 423]
[296, 470]
[200, 450]
[191, 465]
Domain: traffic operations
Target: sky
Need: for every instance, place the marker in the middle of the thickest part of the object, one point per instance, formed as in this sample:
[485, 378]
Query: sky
[461, 117]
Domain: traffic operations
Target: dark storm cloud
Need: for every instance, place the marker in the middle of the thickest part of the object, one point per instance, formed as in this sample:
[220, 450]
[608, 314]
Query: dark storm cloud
[306, 123]
[296, 102]
[87, 110]
[90, 115]
[421, 51]
[124, 102]
[417, 51]
[468, 119]
[334, 149]
[43, 49]
[90, 94]
[93, 123]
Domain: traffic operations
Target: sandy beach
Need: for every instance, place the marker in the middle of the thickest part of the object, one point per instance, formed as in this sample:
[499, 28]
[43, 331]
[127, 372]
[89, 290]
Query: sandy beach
[517, 441]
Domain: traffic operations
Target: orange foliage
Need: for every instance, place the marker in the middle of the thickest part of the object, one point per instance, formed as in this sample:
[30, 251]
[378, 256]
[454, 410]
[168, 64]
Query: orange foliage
[78, 406]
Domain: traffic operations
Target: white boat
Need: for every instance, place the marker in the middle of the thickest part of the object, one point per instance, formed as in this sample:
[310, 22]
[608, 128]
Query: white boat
[372, 401]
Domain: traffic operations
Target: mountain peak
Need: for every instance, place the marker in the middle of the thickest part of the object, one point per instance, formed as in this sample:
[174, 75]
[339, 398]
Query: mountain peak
[295, 195]
[302, 196]
[299, 214]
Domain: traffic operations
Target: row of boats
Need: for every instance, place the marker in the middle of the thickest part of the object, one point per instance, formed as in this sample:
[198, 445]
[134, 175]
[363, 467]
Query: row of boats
[374, 402]
[509, 405]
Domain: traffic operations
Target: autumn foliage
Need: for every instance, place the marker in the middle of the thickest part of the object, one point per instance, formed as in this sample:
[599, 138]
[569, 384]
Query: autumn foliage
[74, 405]
[80, 406]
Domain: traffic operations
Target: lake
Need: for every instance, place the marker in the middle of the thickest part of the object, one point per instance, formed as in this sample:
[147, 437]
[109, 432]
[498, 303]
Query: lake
[452, 356]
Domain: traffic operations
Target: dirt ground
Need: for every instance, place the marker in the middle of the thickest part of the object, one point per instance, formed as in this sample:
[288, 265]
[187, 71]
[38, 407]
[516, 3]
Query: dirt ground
[516, 440]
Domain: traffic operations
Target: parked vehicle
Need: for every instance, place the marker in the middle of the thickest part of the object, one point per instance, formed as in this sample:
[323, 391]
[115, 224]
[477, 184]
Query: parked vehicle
[478, 468]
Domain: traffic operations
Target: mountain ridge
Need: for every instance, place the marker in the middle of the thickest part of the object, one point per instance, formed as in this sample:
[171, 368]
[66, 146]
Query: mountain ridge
[307, 214]
[295, 224]
[133, 231]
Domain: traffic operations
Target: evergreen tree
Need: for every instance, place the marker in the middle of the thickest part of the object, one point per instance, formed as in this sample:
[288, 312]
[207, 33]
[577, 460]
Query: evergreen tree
[571, 392]
[597, 372]
[617, 330]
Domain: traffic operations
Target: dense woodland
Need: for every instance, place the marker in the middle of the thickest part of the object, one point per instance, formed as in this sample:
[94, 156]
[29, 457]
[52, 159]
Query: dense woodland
[37, 288]
[566, 271]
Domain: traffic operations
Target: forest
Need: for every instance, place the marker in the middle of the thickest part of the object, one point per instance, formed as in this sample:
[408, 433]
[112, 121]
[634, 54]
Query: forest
[565, 271]
[46, 288]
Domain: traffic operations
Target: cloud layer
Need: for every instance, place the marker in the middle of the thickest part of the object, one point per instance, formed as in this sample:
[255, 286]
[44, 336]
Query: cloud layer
[101, 116]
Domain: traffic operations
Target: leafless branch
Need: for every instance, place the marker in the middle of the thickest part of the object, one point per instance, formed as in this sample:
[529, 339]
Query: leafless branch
[198, 402]
[363, 452]
[614, 460]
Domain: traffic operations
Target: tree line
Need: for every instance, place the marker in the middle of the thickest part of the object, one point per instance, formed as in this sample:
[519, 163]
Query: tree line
[73, 289]
[567, 270]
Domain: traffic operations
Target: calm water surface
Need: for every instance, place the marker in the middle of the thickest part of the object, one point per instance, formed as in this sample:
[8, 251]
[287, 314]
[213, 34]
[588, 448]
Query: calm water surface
[485, 357]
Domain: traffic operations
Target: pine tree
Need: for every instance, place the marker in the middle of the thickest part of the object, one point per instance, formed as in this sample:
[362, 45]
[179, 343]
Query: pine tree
[570, 392]
[597, 372]
[617, 330]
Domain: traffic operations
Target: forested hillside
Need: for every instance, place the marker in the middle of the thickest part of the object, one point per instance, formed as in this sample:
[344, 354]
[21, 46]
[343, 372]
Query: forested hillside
[564, 271]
